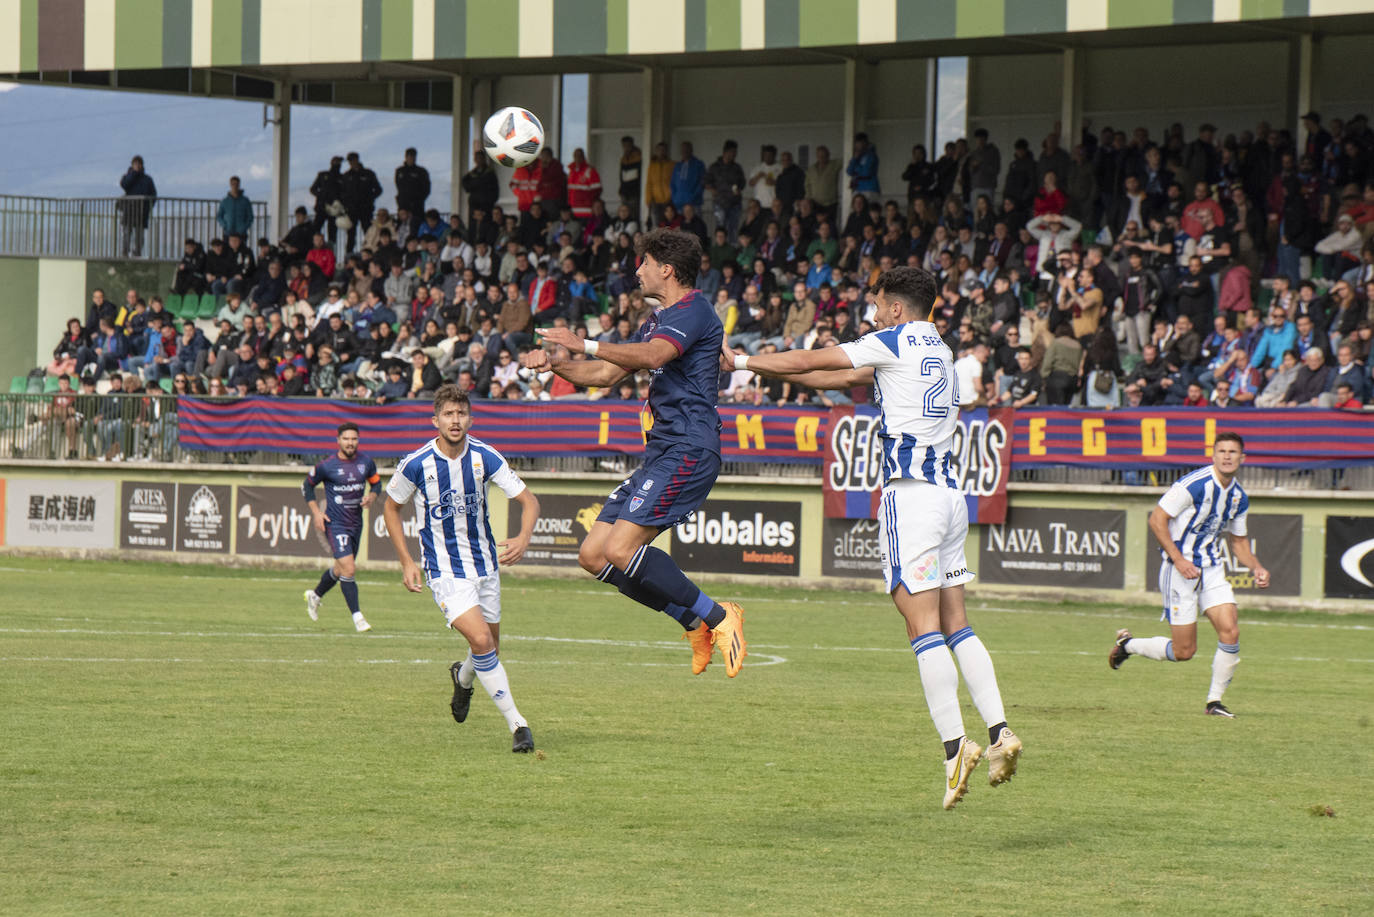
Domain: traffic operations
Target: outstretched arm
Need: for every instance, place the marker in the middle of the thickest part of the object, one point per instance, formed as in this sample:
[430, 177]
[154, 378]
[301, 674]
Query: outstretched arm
[651, 354]
[587, 373]
[828, 368]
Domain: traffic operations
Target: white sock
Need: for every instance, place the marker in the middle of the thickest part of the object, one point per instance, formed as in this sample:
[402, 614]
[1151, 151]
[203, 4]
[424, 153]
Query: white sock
[979, 675]
[1160, 648]
[940, 679]
[466, 672]
[1223, 668]
[492, 674]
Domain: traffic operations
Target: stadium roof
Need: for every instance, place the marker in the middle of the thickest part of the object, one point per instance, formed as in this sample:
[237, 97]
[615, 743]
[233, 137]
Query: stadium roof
[357, 52]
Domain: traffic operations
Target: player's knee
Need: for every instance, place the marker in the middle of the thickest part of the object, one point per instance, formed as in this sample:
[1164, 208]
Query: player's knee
[1184, 653]
[592, 559]
[620, 554]
[344, 566]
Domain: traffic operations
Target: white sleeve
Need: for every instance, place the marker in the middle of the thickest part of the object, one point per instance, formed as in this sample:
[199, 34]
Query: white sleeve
[1237, 526]
[508, 481]
[400, 488]
[1175, 500]
[869, 351]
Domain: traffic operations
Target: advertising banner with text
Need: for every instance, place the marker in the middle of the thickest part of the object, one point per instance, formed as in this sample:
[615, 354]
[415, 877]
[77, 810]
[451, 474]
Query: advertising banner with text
[1349, 557]
[852, 477]
[61, 513]
[1039, 546]
[741, 536]
[275, 520]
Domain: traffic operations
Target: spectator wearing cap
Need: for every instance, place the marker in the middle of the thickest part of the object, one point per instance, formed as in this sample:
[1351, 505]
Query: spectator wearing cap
[190, 275]
[863, 166]
[360, 192]
[136, 207]
[235, 213]
[1340, 250]
[412, 187]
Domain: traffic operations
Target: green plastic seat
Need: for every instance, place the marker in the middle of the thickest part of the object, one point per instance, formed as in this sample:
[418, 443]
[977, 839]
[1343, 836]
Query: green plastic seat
[166, 383]
[172, 303]
[19, 385]
[207, 307]
[49, 384]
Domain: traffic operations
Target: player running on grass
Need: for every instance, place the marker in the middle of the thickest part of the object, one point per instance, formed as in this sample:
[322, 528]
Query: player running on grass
[923, 521]
[680, 344]
[345, 475]
[447, 477]
[1189, 523]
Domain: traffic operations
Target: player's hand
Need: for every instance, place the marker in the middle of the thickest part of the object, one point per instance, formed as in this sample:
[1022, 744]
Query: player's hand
[536, 360]
[411, 577]
[320, 520]
[1261, 576]
[1187, 570]
[562, 337]
[727, 358]
[368, 499]
[512, 549]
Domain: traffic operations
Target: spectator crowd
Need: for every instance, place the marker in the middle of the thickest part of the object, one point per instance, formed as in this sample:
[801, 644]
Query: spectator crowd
[1128, 270]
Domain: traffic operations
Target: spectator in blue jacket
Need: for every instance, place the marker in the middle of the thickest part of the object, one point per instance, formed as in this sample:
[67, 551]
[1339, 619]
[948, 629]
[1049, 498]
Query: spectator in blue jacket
[235, 214]
[192, 352]
[270, 292]
[1281, 335]
[136, 207]
[863, 166]
[688, 181]
[105, 350]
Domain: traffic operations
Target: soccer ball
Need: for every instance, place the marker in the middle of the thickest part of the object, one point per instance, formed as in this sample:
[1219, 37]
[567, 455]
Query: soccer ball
[513, 137]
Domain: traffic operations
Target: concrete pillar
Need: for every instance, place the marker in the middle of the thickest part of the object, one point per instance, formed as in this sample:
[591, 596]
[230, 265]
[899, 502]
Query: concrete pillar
[553, 127]
[855, 117]
[655, 125]
[1071, 100]
[932, 94]
[462, 142]
[279, 211]
[1301, 87]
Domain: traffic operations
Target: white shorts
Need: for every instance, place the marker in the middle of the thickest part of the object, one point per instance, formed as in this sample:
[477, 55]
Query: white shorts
[455, 596]
[1185, 598]
[922, 528]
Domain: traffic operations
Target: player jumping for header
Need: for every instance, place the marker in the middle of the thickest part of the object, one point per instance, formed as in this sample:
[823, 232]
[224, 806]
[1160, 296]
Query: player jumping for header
[345, 476]
[680, 344]
[923, 522]
[1189, 523]
[448, 479]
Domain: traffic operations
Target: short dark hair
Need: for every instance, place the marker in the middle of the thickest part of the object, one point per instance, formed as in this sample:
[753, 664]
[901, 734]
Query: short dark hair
[912, 285]
[1229, 437]
[450, 393]
[679, 250]
[345, 427]
[410, 151]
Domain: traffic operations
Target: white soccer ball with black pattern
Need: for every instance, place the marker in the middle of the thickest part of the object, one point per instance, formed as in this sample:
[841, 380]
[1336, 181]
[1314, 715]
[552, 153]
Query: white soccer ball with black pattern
[513, 137]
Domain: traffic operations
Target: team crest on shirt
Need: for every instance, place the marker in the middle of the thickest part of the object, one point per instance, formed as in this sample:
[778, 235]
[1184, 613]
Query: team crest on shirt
[636, 503]
[360, 468]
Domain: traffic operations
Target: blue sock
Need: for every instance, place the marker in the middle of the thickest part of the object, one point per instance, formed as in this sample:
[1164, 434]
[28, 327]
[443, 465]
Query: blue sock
[632, 590]
[350, 591]
[655, 571]
[327, 581]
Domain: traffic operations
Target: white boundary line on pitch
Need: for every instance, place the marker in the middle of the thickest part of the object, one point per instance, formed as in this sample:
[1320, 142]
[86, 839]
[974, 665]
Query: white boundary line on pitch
[534, 638]
[877, 601]
[756, 660]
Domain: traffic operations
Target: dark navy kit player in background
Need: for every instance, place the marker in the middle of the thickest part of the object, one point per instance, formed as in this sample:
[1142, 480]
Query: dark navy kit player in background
[680, 345]
[351, 483]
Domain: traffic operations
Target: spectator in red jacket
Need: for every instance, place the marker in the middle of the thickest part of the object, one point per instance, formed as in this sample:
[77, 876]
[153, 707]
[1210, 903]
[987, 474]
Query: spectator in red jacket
[524, 184]
[1202, 202]
[584, 185]
[1049, 199]
[321, 256]
[553, 184]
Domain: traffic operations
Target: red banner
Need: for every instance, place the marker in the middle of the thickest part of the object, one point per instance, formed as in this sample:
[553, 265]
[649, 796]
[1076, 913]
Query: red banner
[1143, 438]
[307, 425]
[852, 479]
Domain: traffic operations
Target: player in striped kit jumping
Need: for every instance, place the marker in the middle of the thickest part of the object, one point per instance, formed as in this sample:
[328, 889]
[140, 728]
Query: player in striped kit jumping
[1189, 523]
[447, 478]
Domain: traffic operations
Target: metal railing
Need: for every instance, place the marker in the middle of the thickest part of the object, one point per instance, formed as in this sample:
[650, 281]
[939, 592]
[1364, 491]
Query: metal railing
[144, 428]
[110, 227]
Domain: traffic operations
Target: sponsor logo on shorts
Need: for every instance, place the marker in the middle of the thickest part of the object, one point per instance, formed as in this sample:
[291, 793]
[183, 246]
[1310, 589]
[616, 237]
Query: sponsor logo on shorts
[928, 568]
[962, 571]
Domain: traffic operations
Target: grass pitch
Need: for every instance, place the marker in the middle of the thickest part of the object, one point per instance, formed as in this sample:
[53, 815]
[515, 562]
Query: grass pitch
[185, 741]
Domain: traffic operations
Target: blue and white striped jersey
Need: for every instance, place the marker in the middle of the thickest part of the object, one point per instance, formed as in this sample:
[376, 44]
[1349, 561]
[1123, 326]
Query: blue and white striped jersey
[451, 505]
[915, 387]
[1201, 512]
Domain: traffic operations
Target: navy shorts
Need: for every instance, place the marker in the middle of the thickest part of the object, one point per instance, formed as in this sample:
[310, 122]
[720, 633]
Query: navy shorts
[666, 489]
[343, 542]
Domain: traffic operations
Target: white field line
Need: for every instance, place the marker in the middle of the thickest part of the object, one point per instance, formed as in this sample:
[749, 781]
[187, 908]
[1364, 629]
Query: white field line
[825, 599]
[756, 658]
